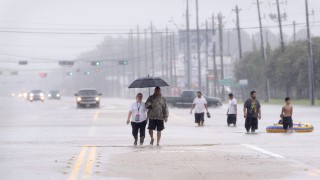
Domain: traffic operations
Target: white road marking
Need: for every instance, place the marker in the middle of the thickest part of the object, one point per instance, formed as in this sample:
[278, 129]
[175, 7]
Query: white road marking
[263, 151]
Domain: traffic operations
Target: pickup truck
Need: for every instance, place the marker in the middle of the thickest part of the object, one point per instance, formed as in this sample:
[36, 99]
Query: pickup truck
[187, 97]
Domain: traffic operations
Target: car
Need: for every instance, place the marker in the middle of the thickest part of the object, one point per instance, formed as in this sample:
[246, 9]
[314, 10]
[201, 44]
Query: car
[36, 95]
[186, 99]
[88, 98]
[54, 94]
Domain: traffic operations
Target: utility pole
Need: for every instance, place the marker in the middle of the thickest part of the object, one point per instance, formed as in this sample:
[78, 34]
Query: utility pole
[161, 52]
[146, 52]
[167, 54]
[294, 31]
[263, 52]
[280, 26]
[207, 59]
[132, 54]
[221, 53]
[138, 51]
[174, 59]
[152, 50]
[239, 32]
[198, 46]
[171, 60]
[215, 71]
[310, 59]
[188, 72]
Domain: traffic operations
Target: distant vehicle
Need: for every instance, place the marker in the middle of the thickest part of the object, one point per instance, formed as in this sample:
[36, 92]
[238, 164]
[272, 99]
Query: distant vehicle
[187, 97]
[88, 98]
[36, 95]
[54, 94]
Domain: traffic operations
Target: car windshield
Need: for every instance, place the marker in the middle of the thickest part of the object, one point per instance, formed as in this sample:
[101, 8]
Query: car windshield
[54, 92]
[36, 91]
[87, 92]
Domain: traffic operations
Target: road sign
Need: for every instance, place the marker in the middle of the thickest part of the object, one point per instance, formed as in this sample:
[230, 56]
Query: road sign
[243, 82]
[43, 74]
[226, 82]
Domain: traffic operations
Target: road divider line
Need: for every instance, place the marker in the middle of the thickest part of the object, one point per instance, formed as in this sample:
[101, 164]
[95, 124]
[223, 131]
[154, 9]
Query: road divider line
[96, 115]
[90, 161]
[77, 165]
[263, 151]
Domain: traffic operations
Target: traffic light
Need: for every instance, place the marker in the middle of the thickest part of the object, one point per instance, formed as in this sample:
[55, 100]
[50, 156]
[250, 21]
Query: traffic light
[66, 63]
[14, 73]
[123, 62]
[69, 73]
[23, 62]
[95, 63]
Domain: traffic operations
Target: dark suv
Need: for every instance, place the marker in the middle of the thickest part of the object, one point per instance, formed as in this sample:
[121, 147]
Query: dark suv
[54, 94]
[88, 98]
[36, 95]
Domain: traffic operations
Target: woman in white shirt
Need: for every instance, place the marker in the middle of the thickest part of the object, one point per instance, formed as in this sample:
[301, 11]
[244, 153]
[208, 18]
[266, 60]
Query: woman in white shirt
[138, 115]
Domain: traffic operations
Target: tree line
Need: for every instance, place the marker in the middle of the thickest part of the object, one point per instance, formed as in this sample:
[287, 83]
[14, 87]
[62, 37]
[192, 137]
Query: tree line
[286, 72]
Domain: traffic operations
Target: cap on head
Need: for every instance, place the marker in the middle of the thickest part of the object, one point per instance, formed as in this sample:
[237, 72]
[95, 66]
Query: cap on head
[157, 88]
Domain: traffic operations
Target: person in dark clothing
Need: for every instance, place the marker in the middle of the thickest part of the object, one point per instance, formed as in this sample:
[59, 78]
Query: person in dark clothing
[252, 112]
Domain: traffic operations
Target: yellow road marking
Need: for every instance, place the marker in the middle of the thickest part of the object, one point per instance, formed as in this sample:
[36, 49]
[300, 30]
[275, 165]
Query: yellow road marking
[96, 115]
[77, 166]
[90, 160]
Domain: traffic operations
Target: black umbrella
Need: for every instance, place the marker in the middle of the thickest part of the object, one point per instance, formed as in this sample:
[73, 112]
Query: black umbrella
[147, 82]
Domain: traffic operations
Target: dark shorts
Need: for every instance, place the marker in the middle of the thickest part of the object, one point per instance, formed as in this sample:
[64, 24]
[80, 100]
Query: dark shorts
[232, 119]
[198, 117]
[251, 123]
[155, 124]
[287, 122]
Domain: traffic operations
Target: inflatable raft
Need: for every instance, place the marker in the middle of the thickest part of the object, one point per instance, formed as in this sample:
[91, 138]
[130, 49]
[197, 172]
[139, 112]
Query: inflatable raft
[297, 127]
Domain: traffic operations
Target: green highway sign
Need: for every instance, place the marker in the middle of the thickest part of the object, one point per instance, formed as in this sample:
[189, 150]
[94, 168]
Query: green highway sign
[226, 82]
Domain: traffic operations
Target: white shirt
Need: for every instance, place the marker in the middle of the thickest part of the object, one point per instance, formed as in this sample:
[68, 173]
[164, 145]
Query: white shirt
[199, 104]
[232, 106]
[140, 110]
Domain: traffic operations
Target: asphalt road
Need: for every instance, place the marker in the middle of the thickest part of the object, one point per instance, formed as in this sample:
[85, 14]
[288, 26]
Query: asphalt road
[56, 140]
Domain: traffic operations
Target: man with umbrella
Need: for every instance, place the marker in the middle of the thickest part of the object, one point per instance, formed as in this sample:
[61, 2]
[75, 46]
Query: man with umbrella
[158, 111]
[158, 114]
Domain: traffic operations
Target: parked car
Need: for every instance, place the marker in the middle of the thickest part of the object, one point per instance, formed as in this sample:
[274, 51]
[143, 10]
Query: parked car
[36, 95]
[88, 98]
[187, 97]
[54, 94]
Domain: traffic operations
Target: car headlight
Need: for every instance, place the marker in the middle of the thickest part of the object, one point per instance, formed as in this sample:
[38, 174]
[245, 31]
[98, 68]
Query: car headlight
[41, 94]
[58, 95]
[49, 95]
[97, 99]
[25, 95]
[78, 99]
[31, 95]
[42, 97]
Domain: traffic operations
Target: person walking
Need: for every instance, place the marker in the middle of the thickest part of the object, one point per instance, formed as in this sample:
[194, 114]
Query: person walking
[200, 105]
[138, 117]
[252, 112]
[232, 110]
[286, 114]
[157, 114]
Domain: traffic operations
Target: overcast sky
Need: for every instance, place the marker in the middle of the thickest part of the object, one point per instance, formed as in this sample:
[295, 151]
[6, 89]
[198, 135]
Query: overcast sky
[118, 16]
